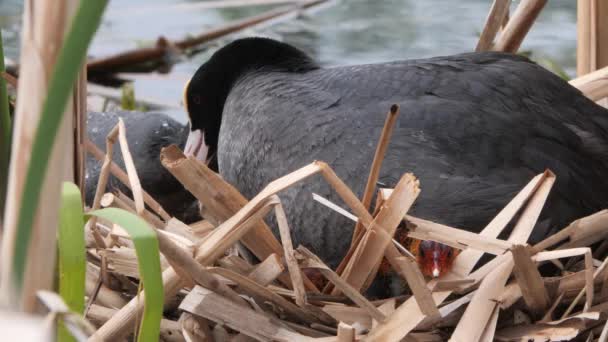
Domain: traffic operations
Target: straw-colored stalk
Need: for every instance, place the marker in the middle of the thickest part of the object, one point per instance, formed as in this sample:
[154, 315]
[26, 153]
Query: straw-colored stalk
[592, 33]
[518, 26]
[496, 17]
[43, 30]
[117, 172]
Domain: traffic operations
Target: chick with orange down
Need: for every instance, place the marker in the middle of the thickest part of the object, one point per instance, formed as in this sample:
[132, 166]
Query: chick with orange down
[433, 258]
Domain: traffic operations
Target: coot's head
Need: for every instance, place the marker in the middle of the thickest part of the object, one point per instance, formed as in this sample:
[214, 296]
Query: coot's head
[207, 90]
[435, 259]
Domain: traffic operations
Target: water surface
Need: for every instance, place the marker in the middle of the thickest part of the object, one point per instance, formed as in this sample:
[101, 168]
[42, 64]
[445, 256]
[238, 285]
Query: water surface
[351, 32]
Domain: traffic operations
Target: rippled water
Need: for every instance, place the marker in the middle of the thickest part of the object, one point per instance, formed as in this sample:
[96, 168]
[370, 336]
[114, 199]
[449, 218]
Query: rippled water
[351, 32]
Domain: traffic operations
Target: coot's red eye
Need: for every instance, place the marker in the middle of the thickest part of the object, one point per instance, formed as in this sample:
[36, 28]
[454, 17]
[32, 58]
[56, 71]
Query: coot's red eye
[196, 99]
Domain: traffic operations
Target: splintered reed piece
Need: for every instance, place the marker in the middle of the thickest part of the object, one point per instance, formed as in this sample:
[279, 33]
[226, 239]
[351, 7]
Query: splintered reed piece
[122, 176]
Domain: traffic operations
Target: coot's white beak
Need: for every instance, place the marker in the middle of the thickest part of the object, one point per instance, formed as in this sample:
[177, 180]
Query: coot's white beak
[195, 146]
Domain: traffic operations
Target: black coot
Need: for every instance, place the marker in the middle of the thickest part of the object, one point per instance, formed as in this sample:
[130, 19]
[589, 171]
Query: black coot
[147, 133]
[474, 127]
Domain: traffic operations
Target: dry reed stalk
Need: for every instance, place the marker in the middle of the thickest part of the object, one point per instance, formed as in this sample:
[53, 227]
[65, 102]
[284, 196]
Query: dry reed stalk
[370, 251]
[177, 227]
[561, 330]
[346, 333]
[117, 172]
[122, 201]
[592, 32]
[590, 275]
[529, 280]
[255, 290]
[519, 24]
[43, 29]
[99, 314]
[103, 295]
[478, 313]
[349, 314]
[194, 328]
[416, 282]
[581, 228]
[210, 249]
[221, 201]
[489, 331]
[498, 12]
[374, 173]
[267, 271]
[290, 259]
[102, 182]
[312, 261]
[594, 85]
[200, 275]
[130, 166]
[201, 302]
[457, 238]
[408, 315]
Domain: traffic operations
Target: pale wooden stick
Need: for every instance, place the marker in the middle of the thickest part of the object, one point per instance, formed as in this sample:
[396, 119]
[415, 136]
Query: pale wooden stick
[105, 296]
[290, 259]
[100, 314]
[586, 44]
[368, 255]
[267, 271]
[312, 261]
[120, 200]
[221, 200]
[604, 335]
[130, 166]
[417, 284]
[374, 173]
[211, 306]
[122, 176]
[195, 270]
[210, 249]
[518, 26]
[44, 26]
[592, 32]
[496, 16]
[254, 289]
[590, 275]
[346, 333]
[593, 84]
[529, 280]
[102, 182]
[195, 329]
[490, 329]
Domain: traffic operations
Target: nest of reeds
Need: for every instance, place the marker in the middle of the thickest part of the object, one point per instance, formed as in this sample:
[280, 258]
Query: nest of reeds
[213, 292]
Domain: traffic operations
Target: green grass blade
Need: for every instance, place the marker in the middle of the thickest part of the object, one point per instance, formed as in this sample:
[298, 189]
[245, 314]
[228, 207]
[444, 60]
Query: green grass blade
[148, 259]
[72, 253]
[68, 65]
[5, 133]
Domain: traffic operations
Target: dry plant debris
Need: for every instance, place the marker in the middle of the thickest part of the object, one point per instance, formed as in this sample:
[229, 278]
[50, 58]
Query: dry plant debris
[216, 294]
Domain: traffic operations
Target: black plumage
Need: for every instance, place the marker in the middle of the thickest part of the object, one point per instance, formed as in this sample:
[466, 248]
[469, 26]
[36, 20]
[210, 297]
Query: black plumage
[147, 134]
[474, 128]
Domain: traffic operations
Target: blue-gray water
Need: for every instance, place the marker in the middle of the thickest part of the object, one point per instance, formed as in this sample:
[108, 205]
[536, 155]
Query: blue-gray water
[351, 32]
